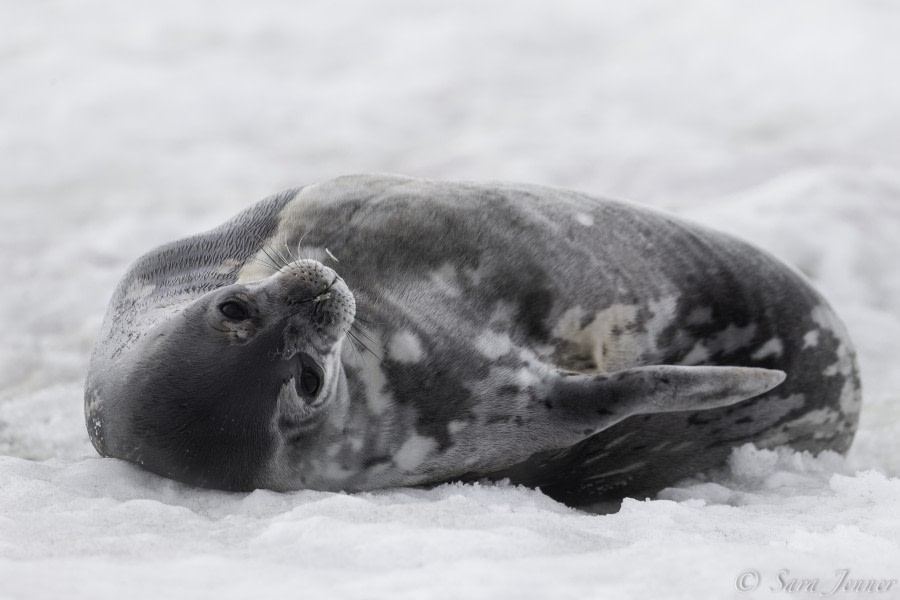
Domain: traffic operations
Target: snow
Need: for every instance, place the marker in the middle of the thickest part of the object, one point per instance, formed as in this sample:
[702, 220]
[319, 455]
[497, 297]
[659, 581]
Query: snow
[125, 125]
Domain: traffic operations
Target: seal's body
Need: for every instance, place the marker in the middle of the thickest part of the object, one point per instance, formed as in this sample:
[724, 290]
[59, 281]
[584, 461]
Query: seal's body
[593, 348]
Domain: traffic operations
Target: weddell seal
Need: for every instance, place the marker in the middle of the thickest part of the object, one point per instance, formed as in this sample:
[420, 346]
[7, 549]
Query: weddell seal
[376, 331]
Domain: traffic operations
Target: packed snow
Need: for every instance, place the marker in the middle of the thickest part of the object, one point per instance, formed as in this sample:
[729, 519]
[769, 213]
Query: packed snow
[124, 125]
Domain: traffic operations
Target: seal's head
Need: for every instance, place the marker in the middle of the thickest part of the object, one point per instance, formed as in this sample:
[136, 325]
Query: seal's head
[208, 395]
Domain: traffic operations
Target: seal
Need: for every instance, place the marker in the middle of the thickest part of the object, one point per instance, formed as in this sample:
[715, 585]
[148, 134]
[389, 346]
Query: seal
[375, 331]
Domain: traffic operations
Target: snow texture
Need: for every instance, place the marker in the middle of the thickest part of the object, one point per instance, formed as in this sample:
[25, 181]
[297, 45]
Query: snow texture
[127, 124]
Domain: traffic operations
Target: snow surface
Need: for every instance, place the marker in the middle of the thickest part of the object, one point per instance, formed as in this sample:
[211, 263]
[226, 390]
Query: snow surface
[127, 124]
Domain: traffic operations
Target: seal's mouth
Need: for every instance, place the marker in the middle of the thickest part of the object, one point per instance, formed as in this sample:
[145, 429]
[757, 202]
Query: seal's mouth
[305, 376]
[297, 413]
[309, 381]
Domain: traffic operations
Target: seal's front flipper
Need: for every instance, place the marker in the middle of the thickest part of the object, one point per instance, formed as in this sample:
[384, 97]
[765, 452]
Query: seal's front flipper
[564, 409]
[599, 401]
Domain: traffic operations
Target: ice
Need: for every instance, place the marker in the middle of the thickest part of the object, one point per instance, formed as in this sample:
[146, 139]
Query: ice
[126, 125]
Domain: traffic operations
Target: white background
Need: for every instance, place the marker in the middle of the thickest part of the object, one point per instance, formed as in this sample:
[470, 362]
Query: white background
[127, 124]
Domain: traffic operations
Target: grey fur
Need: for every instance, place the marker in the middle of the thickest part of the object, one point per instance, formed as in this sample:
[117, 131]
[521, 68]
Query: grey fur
[593, 348]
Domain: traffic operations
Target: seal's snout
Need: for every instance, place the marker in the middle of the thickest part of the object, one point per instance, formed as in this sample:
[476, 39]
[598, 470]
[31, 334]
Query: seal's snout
[308, 277]
[333, 304]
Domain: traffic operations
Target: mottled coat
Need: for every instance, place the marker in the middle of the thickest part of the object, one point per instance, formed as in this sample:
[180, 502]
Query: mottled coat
[495, 331]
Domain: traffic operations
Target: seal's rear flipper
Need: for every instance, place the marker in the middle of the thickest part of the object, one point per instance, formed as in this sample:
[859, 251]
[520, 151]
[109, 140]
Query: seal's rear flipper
[599, 401]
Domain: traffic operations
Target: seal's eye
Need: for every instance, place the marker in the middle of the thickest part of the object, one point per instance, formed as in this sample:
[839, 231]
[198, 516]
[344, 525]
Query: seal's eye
[309, 381]
[233, 310]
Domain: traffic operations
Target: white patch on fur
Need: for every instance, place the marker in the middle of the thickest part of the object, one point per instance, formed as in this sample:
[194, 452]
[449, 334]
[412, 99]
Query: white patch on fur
[493, 345]
[375, 381]
[825, 318]
[544, 351]
[454, 427]
[850, 399]
[569, 325]
[773, 347]
[822, 423]
[811, 339]
[334, 471]
[368, 369]
[138, 290]
[663, 312]
[475, 277]
[585, 219]
[227, 266]
[445, 278]
[405, 347]
[502, 315]
[413, 452]
[614, 338]
[699, 354]
[610, 351]
[526, 378]
[726, 340]
[843, 366]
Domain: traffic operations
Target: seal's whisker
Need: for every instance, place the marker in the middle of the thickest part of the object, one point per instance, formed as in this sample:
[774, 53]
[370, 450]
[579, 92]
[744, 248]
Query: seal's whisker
[362, 298]
[262, 248]
[359, 336]
[290, 254]
[353, 341]
[367, 321]
[361, 349]
[300, 245]
[355, 348]
[279, 254]
[362, 332]
[350, 333]
[362, 309]
[267, 264]
[274, 261]
[359, 343]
